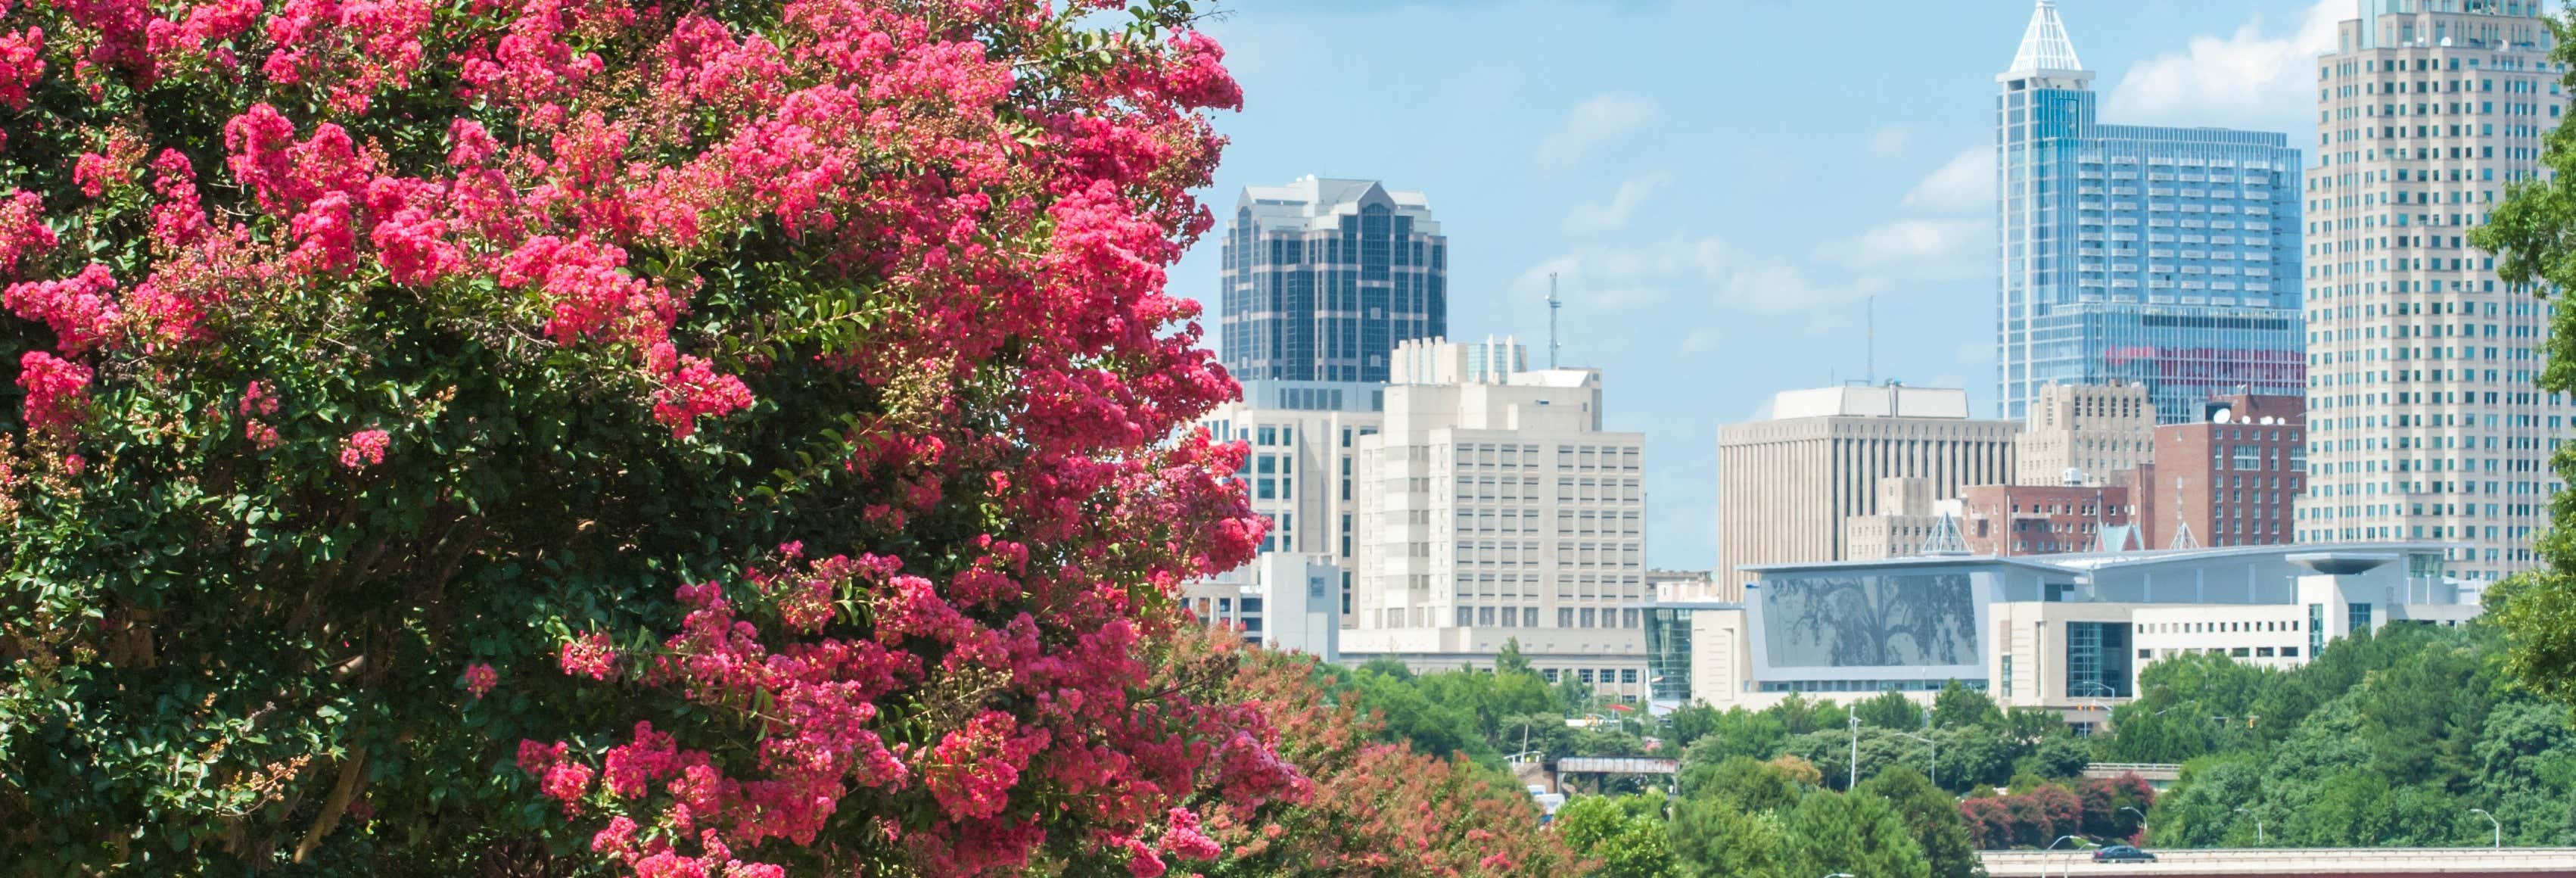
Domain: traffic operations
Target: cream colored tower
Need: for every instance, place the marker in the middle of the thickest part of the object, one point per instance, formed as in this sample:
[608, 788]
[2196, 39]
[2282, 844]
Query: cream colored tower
[2089, 431]
[1789, 486]
[2423, 421]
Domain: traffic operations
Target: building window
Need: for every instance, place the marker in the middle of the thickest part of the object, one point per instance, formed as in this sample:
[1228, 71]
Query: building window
[2316, 628]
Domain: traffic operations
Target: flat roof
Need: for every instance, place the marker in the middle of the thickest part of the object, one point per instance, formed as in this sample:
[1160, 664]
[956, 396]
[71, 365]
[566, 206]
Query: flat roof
[2080, 562]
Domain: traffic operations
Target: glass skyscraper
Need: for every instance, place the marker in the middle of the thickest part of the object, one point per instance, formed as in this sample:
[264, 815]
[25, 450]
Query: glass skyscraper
[2162, 256]
[1323, 277]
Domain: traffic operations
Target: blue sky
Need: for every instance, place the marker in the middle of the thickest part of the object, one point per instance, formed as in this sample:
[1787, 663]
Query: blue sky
[1719, 185]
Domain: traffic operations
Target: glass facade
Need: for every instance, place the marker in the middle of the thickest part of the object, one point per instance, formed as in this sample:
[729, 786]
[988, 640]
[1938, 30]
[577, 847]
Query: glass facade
[1668, 654]
[2097, 660]
[2165, 256]
[1323, 277]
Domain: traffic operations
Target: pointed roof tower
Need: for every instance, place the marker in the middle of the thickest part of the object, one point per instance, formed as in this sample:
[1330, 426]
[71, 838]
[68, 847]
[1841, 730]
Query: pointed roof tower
[2045, 51]
[2044, 45]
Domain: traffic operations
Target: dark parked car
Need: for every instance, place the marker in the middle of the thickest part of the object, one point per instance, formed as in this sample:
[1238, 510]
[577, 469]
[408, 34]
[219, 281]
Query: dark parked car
[2121, 853]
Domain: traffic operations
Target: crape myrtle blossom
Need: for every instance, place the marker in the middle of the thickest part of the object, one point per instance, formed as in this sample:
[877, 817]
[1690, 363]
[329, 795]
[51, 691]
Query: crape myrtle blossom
[788, 400]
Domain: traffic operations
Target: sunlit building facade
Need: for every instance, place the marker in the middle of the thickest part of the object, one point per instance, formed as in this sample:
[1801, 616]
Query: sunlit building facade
[2422, 419]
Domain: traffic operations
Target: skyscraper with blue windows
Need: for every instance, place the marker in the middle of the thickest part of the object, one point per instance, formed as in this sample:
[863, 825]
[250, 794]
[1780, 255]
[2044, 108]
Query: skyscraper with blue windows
[2168, 257]
[1323, 277]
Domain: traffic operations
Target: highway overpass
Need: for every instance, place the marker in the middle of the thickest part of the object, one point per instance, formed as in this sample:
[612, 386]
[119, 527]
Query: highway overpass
[2381, 862]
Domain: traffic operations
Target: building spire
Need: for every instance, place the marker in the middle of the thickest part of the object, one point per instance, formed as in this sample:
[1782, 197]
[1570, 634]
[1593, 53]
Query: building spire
[2044, 46]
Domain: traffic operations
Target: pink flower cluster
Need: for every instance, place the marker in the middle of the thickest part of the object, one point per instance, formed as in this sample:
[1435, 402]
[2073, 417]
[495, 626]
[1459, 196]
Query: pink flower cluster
[80, 309]
[57, 391]
[22, 62]
[480, 678]
[589, 655]
[22, 230]
[363, 449]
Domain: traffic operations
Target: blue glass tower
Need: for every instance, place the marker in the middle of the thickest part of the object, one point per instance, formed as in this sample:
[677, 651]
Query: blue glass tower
[2164, 256]
[1323, 277]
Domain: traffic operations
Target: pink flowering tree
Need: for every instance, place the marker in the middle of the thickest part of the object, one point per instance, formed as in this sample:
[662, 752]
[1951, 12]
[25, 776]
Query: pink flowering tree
[522, 436]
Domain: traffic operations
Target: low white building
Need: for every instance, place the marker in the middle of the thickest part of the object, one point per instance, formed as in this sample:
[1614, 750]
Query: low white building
[1282, 600]
[2066, 632]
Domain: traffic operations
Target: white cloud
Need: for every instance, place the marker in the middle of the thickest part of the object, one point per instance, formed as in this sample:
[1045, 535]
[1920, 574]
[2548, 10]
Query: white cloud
[1889, 142]
[1682, 278]
[2252, 78]
[1927, 248]
[1589, 218]
[1964, 184]
[1702, 340]
[1593, 124]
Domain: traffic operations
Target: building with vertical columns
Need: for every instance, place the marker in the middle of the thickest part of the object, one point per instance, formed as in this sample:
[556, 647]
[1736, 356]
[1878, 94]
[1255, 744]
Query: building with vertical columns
[1322, 277]
[2158, 255]
[1789, 485]
[1494, 508]
[2423, 421]
[2084, 432]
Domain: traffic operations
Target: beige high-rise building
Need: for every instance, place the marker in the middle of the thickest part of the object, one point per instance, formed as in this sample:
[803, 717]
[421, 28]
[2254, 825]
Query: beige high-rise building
[1789, 486]
[2422, 421]
[1495, 508]
[2083, 434]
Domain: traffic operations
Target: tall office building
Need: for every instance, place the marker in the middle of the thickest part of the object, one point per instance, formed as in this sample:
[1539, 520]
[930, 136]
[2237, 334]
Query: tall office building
[1323, 277]
[1790, 487]
[1495, 508]
[2161, 256]
[2423, 422]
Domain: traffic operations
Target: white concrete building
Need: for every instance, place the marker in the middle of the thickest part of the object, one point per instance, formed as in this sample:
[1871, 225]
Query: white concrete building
[1304, 437]
[1282, 600]
[2065, 632]
[2422, 419]
[1494, 507]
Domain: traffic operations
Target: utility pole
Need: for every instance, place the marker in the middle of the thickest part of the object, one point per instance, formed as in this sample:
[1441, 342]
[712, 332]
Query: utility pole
[1553, 303]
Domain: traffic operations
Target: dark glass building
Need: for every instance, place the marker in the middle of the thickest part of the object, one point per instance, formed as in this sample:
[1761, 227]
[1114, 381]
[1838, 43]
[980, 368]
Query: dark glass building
[1323, 277]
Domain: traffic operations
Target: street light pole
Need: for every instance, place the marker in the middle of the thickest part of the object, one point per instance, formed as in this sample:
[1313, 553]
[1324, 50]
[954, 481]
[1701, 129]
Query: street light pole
[2142, 820]
[2258, 826]
[2499, 825]
[1936, 753]
[1853, 779]
[2052, 846]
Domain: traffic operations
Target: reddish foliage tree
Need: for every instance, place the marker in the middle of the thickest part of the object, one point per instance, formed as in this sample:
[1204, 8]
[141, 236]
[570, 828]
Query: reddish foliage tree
[1372, 808]
[758, 418]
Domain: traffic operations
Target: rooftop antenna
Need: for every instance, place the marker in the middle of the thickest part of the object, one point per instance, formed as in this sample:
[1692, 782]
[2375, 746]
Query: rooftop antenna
[1553, 303]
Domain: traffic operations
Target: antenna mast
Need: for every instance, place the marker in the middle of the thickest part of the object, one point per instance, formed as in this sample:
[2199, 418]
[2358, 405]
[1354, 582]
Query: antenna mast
[1553, 303]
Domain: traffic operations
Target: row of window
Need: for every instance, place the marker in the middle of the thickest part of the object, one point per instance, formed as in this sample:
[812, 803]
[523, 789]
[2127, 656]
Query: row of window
[1566, 617]
[1588, 675]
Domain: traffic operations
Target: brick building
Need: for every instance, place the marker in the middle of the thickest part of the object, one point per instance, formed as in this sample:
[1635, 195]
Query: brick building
[2044, 519]
[2229, 478]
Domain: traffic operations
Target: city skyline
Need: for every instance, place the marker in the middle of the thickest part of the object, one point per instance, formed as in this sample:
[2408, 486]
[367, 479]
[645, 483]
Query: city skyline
[1715, 245]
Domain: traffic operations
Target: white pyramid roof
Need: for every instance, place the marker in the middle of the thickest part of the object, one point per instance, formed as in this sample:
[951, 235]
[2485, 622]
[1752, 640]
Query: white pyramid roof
[2044, 46]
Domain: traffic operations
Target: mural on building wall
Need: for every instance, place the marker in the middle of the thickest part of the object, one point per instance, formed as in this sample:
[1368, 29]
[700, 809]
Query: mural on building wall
[1869, 620]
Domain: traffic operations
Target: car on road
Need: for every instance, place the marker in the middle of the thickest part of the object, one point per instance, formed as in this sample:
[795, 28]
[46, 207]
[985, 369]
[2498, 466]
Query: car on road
[2121, 853]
